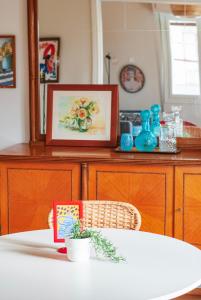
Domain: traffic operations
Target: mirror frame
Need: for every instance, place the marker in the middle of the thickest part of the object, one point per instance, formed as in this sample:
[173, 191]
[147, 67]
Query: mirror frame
[34, 98]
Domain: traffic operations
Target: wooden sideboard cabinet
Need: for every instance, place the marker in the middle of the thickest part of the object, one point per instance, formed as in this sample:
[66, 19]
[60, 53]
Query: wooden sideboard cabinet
[188, 204]
[27, 190]
[149, 188]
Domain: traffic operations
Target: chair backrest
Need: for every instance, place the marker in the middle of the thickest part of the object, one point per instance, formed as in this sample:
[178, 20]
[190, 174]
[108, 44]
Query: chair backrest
[110, 214]
[107, 214]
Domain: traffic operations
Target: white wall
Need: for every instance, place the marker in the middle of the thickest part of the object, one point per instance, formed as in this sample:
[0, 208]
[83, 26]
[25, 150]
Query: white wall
[71, 21]
[130, 37]
[14, 103]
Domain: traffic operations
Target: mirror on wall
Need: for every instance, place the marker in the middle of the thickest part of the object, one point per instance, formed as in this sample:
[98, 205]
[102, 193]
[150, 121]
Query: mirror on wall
[72, 26]
[164, 41]
[97, 39]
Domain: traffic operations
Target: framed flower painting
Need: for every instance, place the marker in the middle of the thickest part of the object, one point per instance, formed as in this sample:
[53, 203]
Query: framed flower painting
[82, 115]
[7, 61]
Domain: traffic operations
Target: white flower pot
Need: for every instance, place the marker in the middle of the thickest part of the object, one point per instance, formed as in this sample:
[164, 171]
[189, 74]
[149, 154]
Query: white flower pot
[78, 249]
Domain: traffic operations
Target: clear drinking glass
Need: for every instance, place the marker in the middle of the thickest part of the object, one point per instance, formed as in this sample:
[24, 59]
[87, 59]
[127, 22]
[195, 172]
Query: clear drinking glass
[176, 109]
[167, 140]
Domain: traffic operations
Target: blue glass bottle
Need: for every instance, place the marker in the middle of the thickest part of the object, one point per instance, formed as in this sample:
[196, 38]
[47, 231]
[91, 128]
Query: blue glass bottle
[146, 141]
[7, 62]
[155, 120]
[126, 143]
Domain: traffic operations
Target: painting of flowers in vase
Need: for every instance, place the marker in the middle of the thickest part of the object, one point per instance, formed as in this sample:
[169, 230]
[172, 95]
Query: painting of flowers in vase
[83, 116]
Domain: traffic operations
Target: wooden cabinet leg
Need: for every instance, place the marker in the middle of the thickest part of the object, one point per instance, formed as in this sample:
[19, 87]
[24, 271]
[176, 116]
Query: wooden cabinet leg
[84, 181]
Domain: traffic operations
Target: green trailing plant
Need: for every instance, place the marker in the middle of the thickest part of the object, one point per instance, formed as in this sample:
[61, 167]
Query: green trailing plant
[102, 245]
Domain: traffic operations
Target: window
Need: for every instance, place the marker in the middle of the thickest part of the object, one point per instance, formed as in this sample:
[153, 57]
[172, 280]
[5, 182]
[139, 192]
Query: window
[184, 58]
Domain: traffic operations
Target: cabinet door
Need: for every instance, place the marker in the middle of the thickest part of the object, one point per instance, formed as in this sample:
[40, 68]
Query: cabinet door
[188, 204]
[27, 191]
[149, 188]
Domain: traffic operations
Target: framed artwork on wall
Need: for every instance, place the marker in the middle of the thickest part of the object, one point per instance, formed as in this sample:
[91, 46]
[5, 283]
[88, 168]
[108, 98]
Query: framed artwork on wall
[131, 78]
[82, 115]
[49, 59]
[7, 61]
[65, 215]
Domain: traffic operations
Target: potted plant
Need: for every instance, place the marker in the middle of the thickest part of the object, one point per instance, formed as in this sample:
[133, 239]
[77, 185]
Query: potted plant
[79, 240]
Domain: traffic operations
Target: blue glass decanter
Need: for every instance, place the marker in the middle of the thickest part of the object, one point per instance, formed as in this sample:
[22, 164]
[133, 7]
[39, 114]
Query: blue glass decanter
[146, 141]
[155, 119]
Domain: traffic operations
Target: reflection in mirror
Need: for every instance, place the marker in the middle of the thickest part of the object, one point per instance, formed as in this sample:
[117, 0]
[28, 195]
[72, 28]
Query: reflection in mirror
[162, 40]
[78, 26]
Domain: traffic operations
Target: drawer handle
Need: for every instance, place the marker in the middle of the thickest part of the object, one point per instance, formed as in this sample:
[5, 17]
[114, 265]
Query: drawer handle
[178, 209]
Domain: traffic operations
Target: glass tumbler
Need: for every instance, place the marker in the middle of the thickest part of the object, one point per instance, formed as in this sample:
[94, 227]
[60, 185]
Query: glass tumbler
[167, 140]
[126, 143]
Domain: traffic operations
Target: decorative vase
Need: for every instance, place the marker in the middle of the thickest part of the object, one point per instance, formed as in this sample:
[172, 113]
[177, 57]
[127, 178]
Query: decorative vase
[7, 62]
[85, 124]
[146, 141]
[78, 249]
[155, 121]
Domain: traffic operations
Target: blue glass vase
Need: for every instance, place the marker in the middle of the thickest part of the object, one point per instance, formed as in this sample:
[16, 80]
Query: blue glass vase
[6, 63]
[155, 120]
[146, 141]
[126, 143]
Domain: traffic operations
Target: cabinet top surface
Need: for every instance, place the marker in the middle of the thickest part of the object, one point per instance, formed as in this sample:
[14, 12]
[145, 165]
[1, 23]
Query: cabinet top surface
[82, 154]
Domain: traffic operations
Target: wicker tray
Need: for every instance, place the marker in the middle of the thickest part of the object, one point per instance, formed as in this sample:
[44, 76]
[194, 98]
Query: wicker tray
[156, 150]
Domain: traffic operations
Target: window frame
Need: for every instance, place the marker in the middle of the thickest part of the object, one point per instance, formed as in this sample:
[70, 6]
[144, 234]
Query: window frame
[167, 64]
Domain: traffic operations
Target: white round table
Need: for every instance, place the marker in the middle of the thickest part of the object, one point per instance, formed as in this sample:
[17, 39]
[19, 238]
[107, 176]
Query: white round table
[156, 267]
